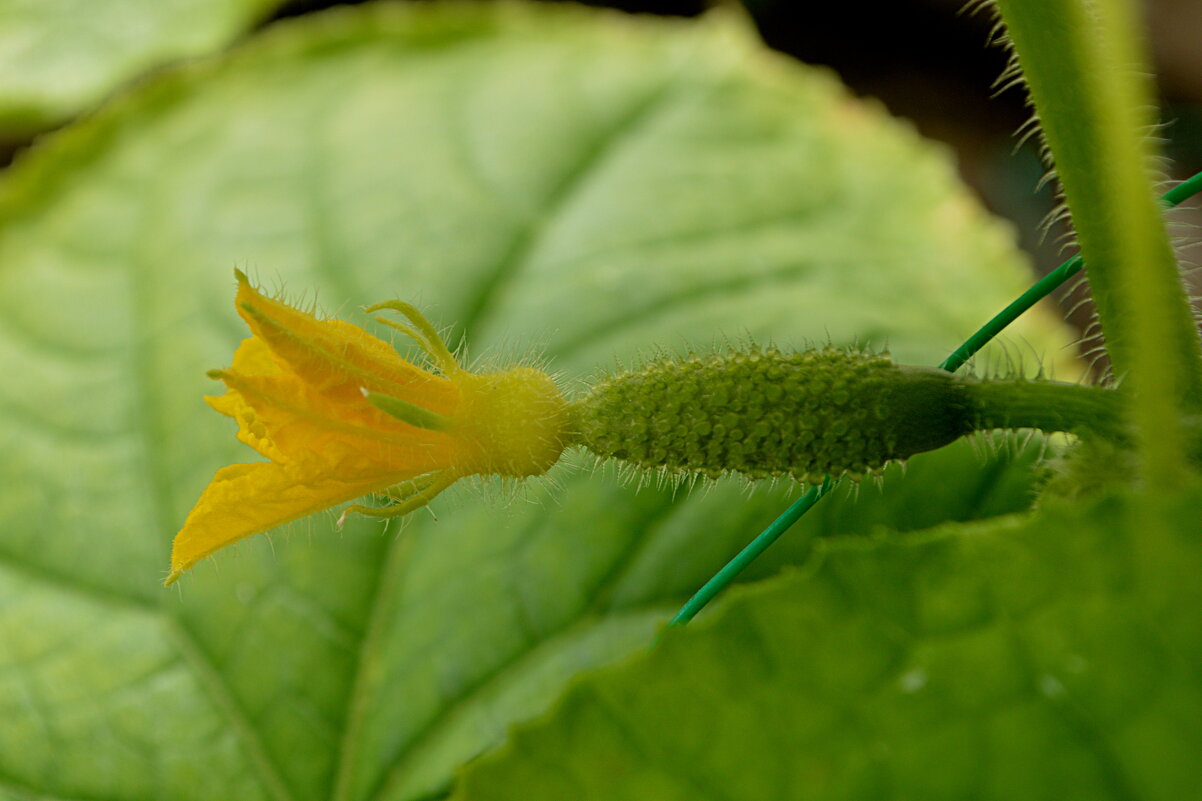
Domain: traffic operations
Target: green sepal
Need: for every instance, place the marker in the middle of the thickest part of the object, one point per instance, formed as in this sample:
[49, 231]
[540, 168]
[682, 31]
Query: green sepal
[407, 412]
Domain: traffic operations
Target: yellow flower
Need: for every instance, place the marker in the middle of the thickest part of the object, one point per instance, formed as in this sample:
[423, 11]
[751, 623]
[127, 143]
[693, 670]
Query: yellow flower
[340, 414]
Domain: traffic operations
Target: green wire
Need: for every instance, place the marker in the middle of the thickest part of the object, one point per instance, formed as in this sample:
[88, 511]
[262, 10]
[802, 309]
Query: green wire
[1042, 288]
[749, 554]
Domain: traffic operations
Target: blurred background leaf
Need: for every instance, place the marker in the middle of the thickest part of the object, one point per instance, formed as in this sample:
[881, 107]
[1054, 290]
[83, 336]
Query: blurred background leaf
[557, 181]
[1049, 659]
[61, 57]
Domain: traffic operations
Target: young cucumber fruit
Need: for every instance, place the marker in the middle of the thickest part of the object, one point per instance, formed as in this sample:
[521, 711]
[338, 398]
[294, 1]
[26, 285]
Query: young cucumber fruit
[762, 412]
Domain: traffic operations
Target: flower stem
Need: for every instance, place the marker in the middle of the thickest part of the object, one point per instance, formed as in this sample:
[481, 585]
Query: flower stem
[1048, 406]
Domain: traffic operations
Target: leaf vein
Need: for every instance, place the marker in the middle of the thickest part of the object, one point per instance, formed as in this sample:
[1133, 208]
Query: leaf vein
[528, 238]
[228, 704]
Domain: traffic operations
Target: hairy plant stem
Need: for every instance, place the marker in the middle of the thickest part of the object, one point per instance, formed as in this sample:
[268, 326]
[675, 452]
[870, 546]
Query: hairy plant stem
[1084, 66]
[1048, 406]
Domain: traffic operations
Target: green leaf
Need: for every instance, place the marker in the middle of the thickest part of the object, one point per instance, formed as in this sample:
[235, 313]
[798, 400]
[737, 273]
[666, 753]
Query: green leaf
[1055, 658]
[60, 57]
[551, 180]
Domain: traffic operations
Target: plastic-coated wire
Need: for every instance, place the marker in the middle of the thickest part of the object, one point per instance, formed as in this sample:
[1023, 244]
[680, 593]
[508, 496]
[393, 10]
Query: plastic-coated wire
[1041, 289]
[750, 553]
[1044, 287]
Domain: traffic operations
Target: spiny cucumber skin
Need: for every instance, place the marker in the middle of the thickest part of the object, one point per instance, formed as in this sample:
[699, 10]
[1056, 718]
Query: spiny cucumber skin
[765, 413]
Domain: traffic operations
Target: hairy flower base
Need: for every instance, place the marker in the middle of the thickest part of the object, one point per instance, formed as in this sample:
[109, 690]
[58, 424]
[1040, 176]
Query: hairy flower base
[340, 414]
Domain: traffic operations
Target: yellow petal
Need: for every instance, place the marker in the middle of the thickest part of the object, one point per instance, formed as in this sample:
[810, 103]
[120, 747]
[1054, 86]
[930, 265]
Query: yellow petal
[301, 423]
[337, 357]
[246, 499]
[253, 357]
